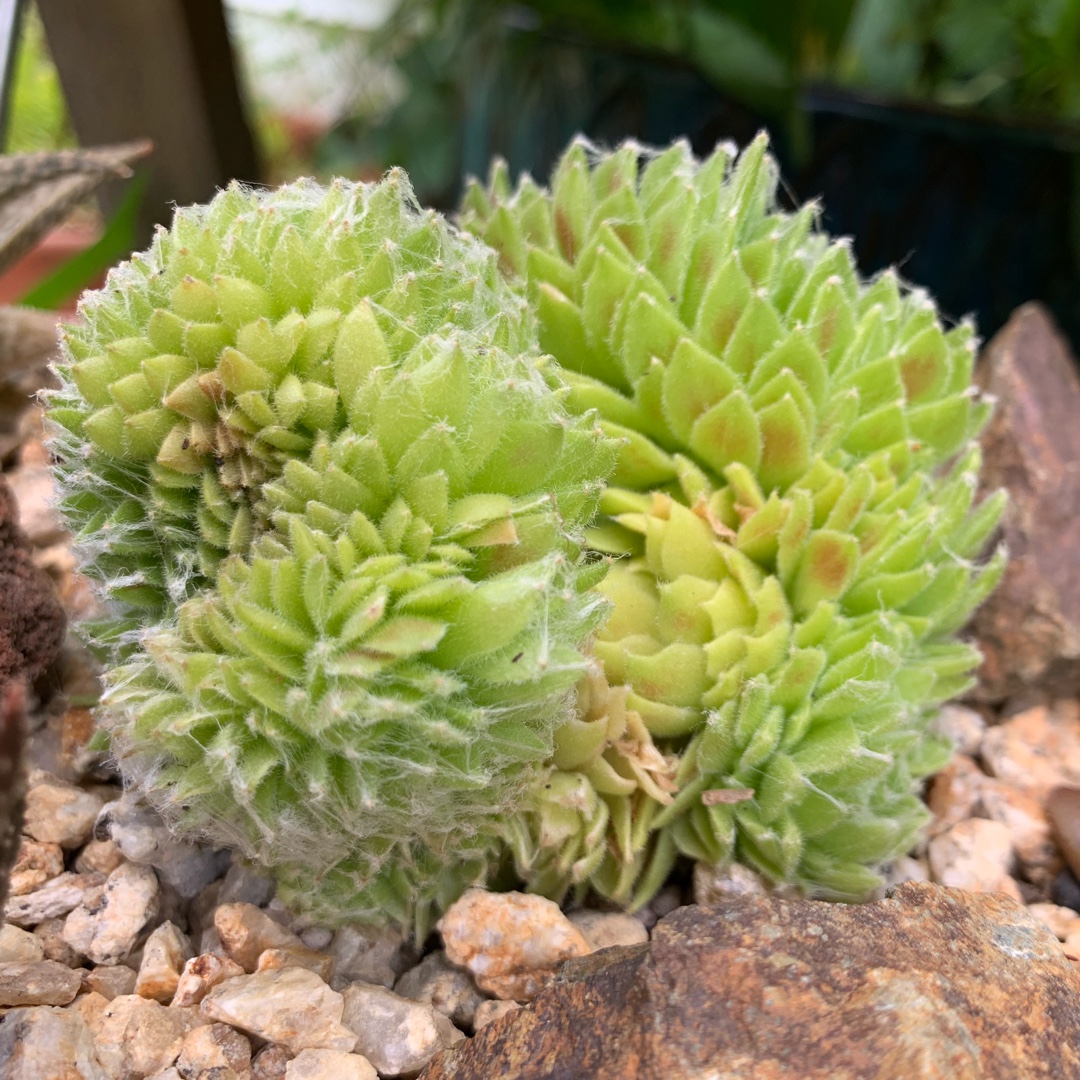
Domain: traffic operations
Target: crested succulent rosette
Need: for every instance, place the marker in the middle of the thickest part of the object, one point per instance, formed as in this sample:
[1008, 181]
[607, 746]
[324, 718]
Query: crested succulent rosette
[312, 458]
[792, 517]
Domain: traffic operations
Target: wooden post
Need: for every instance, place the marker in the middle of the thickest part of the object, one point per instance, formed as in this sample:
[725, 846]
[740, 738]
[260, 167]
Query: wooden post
[158, 69]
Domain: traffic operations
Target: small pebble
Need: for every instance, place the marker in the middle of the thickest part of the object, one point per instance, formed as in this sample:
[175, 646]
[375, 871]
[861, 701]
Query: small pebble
[51, 935]
[512, 943]
[329, 1065]
[365, 955]
[1028, 826]
[1062, 921]
[975, 855]
[35, 864]
[954, 793]
[246, 932]
[963, 725]
[1063, 811]
[396, 1035]
[270, 1063]
[713, 884]
[41, 982]
[200, 974]
[317, 938]
[666, 901]
[55, 898]
[111, 980]
[491, 1011]
[435, 981]
[293, 1007]
[19, 946]
[297, 956]
[244, 885]
[135, 1036]
[1065, 890]
[214, 1046]
[163, 958]
[45, 1043]
[107, 929]
[58, 812]
[603, 929]
[101, 856]
[1034, 750]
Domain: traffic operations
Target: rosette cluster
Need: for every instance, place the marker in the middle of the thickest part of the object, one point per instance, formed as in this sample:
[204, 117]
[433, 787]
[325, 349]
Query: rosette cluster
[335, 503]
[792, 518]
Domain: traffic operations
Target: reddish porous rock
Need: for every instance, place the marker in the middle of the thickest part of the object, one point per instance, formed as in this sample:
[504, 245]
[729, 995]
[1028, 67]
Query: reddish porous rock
[929, 982]
[1029, 630]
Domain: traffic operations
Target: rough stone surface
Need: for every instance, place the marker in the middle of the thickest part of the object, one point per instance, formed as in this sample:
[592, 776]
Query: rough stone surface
[297, 956]
[976, 855]
[715, 883]
[1029, 630]
[102, 856]
[214, 1046]
[19, 946]
[55, 898]
[42, 982]
[106, 929]
[166, 951]
[964, 725]
[142, 837]
[246, 933]
[1035, 750]
[954, 793]
[365, 955]
[1063, 812]
[492, 1010]
[135, 1036]
[398, 1036]
[1062, 921]
[35, 864]
[58, 812]
[111, 980]
[435, 981]
[293, 1007]
[51, 935]
[45, 1043]
[1028, 827]
[930, 983]
[603, 929]
[270, 1063]
[329, 1065]
[200, 974]
[512, 943]
[244, 885]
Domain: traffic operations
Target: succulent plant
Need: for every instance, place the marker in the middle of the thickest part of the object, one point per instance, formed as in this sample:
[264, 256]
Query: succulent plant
[793, 518]
[310, 454]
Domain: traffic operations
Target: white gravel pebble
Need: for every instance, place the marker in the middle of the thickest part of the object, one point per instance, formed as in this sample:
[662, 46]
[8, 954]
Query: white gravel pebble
[106, 929]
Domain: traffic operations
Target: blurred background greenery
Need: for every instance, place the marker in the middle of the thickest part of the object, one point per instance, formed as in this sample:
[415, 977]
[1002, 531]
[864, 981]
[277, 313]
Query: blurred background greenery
[942, 134]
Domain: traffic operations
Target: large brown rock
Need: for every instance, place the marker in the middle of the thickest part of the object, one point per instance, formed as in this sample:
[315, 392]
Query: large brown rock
[929, 983]
[1029, 630]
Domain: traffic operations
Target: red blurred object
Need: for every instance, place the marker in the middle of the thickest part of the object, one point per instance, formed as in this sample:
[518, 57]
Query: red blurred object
[55, 249]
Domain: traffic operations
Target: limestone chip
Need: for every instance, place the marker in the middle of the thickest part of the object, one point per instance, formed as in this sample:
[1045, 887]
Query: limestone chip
[329, 1065]
[602, 929]
[136, 1037]
[512, 943]
[214, 1046]
[399, 1037]
[41, 982]
[292, 1006]
[200, 974]
[35, 864]
[246, 932]
[435, 981]
[106, 930]
[58, 812]
[45, 1043]
[163, 957]
[19, 946]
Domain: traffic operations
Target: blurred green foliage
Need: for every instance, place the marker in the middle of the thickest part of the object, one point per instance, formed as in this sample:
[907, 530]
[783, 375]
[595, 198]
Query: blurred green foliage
[38, 115]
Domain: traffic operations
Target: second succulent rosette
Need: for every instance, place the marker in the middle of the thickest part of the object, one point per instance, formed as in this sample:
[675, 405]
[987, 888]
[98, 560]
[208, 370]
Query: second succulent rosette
[792, 518]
